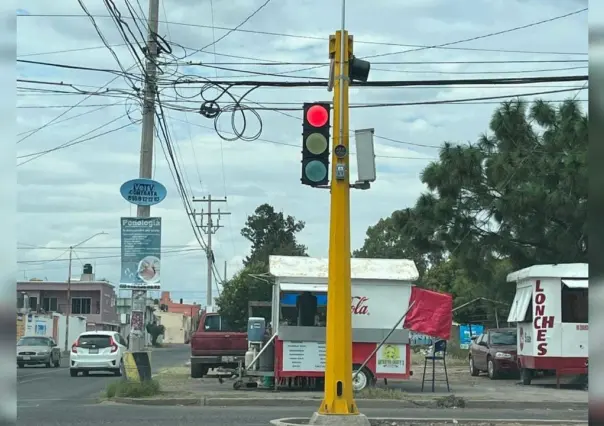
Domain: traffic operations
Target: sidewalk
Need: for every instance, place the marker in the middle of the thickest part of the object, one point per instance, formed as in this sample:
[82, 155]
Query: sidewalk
[466, 392]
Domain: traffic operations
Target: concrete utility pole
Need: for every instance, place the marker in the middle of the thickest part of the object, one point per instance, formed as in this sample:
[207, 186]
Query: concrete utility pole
[68, 311]
[209, 228]
[139, 297]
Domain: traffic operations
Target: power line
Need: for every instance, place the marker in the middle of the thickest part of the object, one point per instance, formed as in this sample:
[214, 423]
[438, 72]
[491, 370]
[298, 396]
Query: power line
[496, 33]
[446, 46]
[396, 83]
[63, 113]
[35, 155]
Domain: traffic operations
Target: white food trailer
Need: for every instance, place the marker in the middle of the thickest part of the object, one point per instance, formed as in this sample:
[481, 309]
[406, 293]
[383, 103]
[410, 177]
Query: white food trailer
[550, 309]
[381, 289]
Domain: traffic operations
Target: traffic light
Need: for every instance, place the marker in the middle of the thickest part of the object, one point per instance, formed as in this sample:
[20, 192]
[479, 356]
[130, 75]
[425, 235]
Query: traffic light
[315, 144]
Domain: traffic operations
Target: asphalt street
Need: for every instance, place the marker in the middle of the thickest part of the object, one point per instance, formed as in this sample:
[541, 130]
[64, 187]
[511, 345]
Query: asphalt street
[118, 415]
[40, 386]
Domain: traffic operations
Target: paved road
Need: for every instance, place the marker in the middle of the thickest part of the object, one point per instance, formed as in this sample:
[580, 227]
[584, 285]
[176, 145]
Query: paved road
[124, 415]
[39, 386]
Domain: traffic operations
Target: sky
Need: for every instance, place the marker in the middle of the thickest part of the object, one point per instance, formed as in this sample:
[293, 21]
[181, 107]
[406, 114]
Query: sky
[70, 194]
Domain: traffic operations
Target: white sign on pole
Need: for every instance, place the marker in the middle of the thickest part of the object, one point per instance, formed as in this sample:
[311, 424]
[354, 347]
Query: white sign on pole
[303, 356]
[391, 359]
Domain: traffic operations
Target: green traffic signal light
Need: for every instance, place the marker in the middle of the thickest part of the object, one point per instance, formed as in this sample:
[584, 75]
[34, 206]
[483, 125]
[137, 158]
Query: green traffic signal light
[315, 171]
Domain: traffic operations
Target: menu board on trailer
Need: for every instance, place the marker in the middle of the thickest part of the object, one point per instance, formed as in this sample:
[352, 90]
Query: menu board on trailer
[303, 356]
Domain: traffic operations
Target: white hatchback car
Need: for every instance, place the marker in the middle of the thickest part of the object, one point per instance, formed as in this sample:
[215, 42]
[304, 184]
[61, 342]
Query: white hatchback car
[97, 351]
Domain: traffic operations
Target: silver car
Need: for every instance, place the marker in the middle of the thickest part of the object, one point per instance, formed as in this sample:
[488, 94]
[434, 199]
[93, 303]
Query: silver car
[33, 350]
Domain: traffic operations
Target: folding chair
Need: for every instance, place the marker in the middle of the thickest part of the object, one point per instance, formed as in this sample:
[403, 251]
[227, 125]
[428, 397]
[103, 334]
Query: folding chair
[439, 354]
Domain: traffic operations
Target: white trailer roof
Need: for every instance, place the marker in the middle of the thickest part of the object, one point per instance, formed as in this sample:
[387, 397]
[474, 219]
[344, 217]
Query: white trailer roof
[561, 270]
[371, 269]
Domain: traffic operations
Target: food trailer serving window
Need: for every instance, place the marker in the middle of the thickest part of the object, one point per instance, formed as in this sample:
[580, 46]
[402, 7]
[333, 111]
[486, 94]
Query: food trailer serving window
[574, 301]
[291, 305]
[520, 305]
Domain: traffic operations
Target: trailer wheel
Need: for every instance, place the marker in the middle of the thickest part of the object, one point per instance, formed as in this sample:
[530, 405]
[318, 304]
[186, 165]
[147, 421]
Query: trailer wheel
[526, 376]
[363, 380]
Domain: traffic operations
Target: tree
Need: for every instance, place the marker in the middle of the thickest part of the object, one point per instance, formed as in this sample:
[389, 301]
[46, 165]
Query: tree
[245, 286]
[515, 198]
[400, 236]
[270, 233]
[155, 330]
[519, 193]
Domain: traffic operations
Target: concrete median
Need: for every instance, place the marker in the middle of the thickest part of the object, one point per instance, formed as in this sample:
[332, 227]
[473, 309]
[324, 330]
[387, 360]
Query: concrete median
[362, 403]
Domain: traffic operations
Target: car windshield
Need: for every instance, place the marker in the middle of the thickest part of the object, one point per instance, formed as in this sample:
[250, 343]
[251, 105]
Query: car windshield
[503, 338]
[94, 341]
[33, 341]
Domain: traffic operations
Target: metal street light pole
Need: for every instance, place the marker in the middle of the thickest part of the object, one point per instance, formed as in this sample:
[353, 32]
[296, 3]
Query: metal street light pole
[68, 313]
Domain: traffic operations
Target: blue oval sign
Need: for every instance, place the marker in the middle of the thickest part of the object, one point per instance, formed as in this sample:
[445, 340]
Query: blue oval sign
[143, 192]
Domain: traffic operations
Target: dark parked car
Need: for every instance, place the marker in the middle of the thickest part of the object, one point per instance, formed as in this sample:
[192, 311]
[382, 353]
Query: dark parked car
[495, 352]
[33, 350]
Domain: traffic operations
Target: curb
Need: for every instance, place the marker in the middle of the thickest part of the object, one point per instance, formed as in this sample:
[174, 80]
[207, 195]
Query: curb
[298, 421]
[362, 403]
[158, 401]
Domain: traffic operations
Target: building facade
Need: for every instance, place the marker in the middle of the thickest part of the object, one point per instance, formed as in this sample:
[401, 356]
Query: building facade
[94, 300]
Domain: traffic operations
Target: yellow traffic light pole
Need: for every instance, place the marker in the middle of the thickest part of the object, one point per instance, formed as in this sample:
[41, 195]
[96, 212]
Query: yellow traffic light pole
[338, 398]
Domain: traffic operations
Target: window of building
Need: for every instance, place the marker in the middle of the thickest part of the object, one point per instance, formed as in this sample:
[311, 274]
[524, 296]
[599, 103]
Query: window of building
[81, 305]
[33, 303]
[98, 306]
[49, 304]
[574, 305]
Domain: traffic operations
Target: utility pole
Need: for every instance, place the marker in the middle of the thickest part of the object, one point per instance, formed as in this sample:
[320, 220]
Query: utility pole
[209, 228]
[68, 311]
[68, 301]
[139, 297]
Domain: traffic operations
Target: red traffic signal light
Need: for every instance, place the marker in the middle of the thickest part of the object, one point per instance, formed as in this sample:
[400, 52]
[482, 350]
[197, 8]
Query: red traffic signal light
[317, 116]
[315, 144]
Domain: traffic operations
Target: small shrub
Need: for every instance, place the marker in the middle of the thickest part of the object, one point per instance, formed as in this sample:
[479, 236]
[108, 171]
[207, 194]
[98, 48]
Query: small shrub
[125, 388]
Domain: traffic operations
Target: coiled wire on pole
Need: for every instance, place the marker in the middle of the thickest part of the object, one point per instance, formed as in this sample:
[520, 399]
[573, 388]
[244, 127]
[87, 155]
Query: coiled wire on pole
[211, 109]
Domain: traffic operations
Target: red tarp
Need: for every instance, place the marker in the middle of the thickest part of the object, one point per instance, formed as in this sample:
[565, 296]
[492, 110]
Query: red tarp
[432, 313]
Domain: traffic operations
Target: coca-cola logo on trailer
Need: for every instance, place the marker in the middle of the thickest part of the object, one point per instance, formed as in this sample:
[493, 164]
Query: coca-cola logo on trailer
[360, 305]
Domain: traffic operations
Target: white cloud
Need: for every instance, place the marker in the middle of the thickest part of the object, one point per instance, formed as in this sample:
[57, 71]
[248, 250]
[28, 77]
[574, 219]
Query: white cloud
[70, 194]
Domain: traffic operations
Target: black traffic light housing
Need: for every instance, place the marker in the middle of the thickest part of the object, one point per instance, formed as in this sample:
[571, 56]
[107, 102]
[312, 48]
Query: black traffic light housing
[316, 126]
[358, 69]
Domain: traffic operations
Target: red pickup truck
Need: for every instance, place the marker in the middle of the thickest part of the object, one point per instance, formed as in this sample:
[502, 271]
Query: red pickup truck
[216, 344]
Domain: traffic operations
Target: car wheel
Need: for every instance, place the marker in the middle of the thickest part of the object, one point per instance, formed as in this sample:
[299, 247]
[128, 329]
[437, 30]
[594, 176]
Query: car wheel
[20, 365]
[363, 379]
[473, 371]
[73, 372]
[120, 371]
[491, 369]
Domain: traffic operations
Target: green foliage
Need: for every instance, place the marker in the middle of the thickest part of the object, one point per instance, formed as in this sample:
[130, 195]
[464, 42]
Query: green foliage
[270, 233]
[245, 286]
[155, 330]
[128, 389]
[515, 198]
